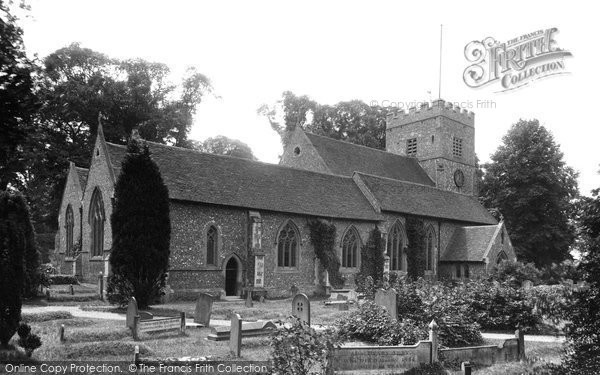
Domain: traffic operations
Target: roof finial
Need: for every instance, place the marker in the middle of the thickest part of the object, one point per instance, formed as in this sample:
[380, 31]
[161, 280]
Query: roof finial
[100, 129]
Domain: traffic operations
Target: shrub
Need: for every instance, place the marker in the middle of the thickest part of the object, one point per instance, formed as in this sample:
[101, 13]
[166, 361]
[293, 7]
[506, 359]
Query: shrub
[141, 226]
[500, 306]
[28, 340]
[373, 324]
[118, 290]
[551, 302]
[515, 272]
[371, 262]
[63, 280]
[298, 349]
[322, 237]
[415, 233]
[13, 243]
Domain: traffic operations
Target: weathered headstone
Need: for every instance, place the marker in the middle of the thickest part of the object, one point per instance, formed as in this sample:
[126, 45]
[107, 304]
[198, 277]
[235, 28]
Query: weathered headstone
[132, 312]
[203, 309]
[301, 307]
[343, 306]
[235, 338]
[248, 299]
[352, 296]
[387, 299]
[527, 284]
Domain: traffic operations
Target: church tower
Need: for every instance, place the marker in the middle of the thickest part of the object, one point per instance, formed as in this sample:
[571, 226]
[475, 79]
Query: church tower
[442, 138]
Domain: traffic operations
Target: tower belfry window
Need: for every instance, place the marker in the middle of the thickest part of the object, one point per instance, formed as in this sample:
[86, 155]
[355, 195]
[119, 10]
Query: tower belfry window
[411, 147]
[457, 147]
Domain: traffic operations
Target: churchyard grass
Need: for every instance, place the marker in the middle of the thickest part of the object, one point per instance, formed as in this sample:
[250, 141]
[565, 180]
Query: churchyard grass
[537, 354]
[97, 339]
[268, 310]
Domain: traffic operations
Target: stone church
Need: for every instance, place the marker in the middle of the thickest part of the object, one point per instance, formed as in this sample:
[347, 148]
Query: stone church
[238, 223]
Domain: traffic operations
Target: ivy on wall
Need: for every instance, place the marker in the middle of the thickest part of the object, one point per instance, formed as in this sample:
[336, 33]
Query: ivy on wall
[372, 259]
[415, 231]
[322, 237]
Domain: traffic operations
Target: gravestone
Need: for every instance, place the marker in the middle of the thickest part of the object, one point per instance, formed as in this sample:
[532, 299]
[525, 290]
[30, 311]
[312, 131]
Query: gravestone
[203, 309]
[387, 299]
[527, 284]
[343, 306]
[301, 308]
[235, 338]
[352, 296]
[132, 312]
[248, 299]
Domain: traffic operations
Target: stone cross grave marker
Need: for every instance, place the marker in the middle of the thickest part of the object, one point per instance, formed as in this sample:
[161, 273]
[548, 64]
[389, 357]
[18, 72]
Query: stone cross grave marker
[132, 312]
[387, 299]
[301, 307]
[235, 335]
[203, 309]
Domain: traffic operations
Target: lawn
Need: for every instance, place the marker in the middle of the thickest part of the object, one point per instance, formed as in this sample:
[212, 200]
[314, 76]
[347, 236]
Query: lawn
[96, 339]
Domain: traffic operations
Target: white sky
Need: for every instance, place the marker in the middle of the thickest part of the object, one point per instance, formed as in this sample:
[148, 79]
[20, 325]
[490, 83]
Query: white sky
[340, 50]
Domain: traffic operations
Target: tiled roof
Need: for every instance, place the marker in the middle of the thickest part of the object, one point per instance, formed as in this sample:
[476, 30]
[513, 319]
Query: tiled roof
[82, 174]
[422, 200]
[223, 180]
[345, 158]
[469, 244]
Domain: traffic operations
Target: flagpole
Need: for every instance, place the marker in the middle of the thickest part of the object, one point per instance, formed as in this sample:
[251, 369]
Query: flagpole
[440, 73]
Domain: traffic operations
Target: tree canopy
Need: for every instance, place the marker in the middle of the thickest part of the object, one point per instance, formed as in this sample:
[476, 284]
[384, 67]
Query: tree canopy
[529, 183]
[222, 145]
[353, 121]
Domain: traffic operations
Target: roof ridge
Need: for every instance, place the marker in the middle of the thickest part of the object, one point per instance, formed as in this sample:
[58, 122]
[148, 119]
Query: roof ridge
[362, 146]
[259, 162]
[413, 183]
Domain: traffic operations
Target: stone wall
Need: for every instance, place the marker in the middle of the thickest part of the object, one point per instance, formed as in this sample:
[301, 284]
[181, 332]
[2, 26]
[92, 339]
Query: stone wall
[71, 195]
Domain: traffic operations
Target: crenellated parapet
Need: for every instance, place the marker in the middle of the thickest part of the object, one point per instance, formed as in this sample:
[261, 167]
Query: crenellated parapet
[438, 107]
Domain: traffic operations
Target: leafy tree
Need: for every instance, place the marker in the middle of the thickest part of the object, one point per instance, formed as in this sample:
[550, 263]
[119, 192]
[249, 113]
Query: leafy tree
[532, 187]
[222, 145]
[583, 341]
[13, 243]
[141, 227]
[17, 99]
[353, 121]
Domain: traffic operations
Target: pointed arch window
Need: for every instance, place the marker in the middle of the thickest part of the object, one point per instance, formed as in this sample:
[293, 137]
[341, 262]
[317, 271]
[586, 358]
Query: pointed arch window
[212, 238]
[350, 248]
[288, 242]
[69, 225]
[502, 256]
[96, 220]
[395, 247]
[430, 249]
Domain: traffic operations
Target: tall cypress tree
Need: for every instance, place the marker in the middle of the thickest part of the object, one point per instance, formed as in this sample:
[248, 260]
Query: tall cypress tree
[13, 212]
[141, 227]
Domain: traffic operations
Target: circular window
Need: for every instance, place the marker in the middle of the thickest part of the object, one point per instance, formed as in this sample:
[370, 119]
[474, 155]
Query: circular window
[296, 150]
[459, 178]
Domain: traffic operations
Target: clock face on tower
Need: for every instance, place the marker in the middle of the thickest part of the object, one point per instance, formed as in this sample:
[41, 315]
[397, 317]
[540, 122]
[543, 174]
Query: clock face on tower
[459, 178]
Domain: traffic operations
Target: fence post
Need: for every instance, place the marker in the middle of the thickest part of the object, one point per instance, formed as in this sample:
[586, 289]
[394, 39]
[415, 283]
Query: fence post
[101, 285]
[61, 333]
[136, 355]
[433, 337]
[134, 329]
[182, 323]
[521, 343]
